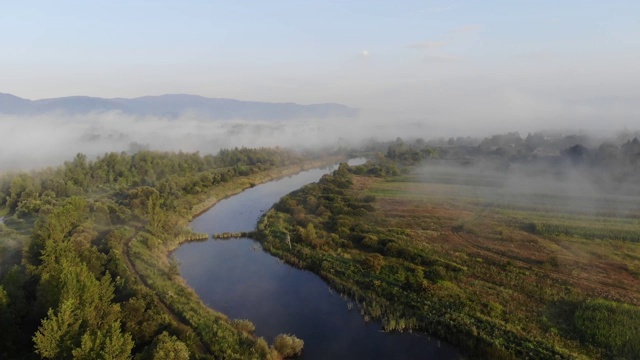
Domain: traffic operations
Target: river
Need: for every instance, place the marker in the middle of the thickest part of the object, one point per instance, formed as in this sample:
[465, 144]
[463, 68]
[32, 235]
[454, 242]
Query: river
[239, 279]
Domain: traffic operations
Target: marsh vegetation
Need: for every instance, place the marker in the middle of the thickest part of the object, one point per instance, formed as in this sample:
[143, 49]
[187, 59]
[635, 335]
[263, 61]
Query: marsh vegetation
[507, 256]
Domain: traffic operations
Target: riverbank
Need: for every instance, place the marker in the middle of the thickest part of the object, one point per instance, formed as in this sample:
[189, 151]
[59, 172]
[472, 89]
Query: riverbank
[151, 260]
[208, 200]
[252, 284]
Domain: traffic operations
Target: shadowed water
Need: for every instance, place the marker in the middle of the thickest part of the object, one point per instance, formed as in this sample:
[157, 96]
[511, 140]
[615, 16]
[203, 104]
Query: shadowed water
[240, 280]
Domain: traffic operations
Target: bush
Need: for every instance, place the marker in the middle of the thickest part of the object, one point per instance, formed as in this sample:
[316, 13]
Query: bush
[265, 352]
[373, 262]
[244, 325]
[288, 345]
[168, 347]
[370, 241]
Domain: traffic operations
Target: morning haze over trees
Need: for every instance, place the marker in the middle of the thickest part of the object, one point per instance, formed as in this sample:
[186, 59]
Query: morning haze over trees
[320, 180]
[486, 263]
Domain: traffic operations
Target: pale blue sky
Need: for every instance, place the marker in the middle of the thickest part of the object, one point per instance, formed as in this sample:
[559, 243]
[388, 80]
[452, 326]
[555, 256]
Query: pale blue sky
[394, 55]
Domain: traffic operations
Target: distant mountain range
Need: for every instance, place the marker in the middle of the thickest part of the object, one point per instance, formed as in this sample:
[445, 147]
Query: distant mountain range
[173, 106]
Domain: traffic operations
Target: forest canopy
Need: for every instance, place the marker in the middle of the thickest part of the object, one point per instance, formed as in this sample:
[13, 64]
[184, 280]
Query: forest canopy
[79, 288]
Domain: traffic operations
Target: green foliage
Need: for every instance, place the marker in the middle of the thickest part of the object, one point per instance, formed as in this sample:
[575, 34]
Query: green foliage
[288, 345]
[4, 300]
[107, 344]
[168, 347]
[596, 231]
[373, 262]
[172, 174]
[14, 312]
[261, 159]
[392, 277]
[82, 218]
[143, 318]
[244, 325]
[264, 351]
[610, 325]
[55, 227]
[408, 154]
[59, 332]
[80, 309]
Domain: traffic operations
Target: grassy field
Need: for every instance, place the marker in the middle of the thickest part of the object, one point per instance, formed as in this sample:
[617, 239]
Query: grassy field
[592, 252]
[534, 272]
[528, 255]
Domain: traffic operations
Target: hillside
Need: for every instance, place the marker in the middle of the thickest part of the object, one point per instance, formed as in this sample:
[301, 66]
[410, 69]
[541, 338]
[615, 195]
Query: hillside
[174, 106]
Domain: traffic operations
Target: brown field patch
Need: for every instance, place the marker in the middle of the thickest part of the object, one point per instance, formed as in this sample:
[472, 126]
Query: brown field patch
[454, 220]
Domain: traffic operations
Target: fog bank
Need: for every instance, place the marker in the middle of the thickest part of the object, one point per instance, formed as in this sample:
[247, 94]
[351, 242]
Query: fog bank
[35, 141]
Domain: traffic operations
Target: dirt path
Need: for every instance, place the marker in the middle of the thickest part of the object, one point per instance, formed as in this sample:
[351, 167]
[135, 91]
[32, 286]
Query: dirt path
[132, 268]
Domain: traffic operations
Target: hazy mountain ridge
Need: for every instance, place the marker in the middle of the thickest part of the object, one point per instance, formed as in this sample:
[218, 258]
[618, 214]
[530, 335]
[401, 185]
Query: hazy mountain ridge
[174, 105]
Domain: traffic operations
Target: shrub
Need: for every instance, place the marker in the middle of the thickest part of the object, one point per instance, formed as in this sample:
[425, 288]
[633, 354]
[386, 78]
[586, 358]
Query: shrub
[370, 241]
[244, 325]
[288, 345]
[168, 347]
[373, 262]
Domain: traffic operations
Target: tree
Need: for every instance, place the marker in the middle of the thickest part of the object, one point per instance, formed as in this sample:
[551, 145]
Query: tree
[142, 317]
[5, 336]
[154, 211]
[309, 234]
[4, 299]
[168, 347]
[81, 321]
[107, 344]
[57, 335]
[577, 154]
[77, 171]
[14, 308]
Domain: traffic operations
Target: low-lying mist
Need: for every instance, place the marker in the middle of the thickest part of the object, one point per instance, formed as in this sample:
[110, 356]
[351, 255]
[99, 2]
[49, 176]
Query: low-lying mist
[547, 186]
[34, 141]
[28, 142]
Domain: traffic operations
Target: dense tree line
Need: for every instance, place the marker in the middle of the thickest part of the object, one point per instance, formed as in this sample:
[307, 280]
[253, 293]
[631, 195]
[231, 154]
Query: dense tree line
[74, 294]
[27, 193]
[608, 164]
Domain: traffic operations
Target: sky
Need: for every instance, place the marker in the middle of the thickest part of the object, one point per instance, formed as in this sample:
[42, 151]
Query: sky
[475, 64]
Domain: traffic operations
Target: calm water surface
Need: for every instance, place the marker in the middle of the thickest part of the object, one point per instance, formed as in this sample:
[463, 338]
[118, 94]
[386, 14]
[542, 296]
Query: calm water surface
[240, 280]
